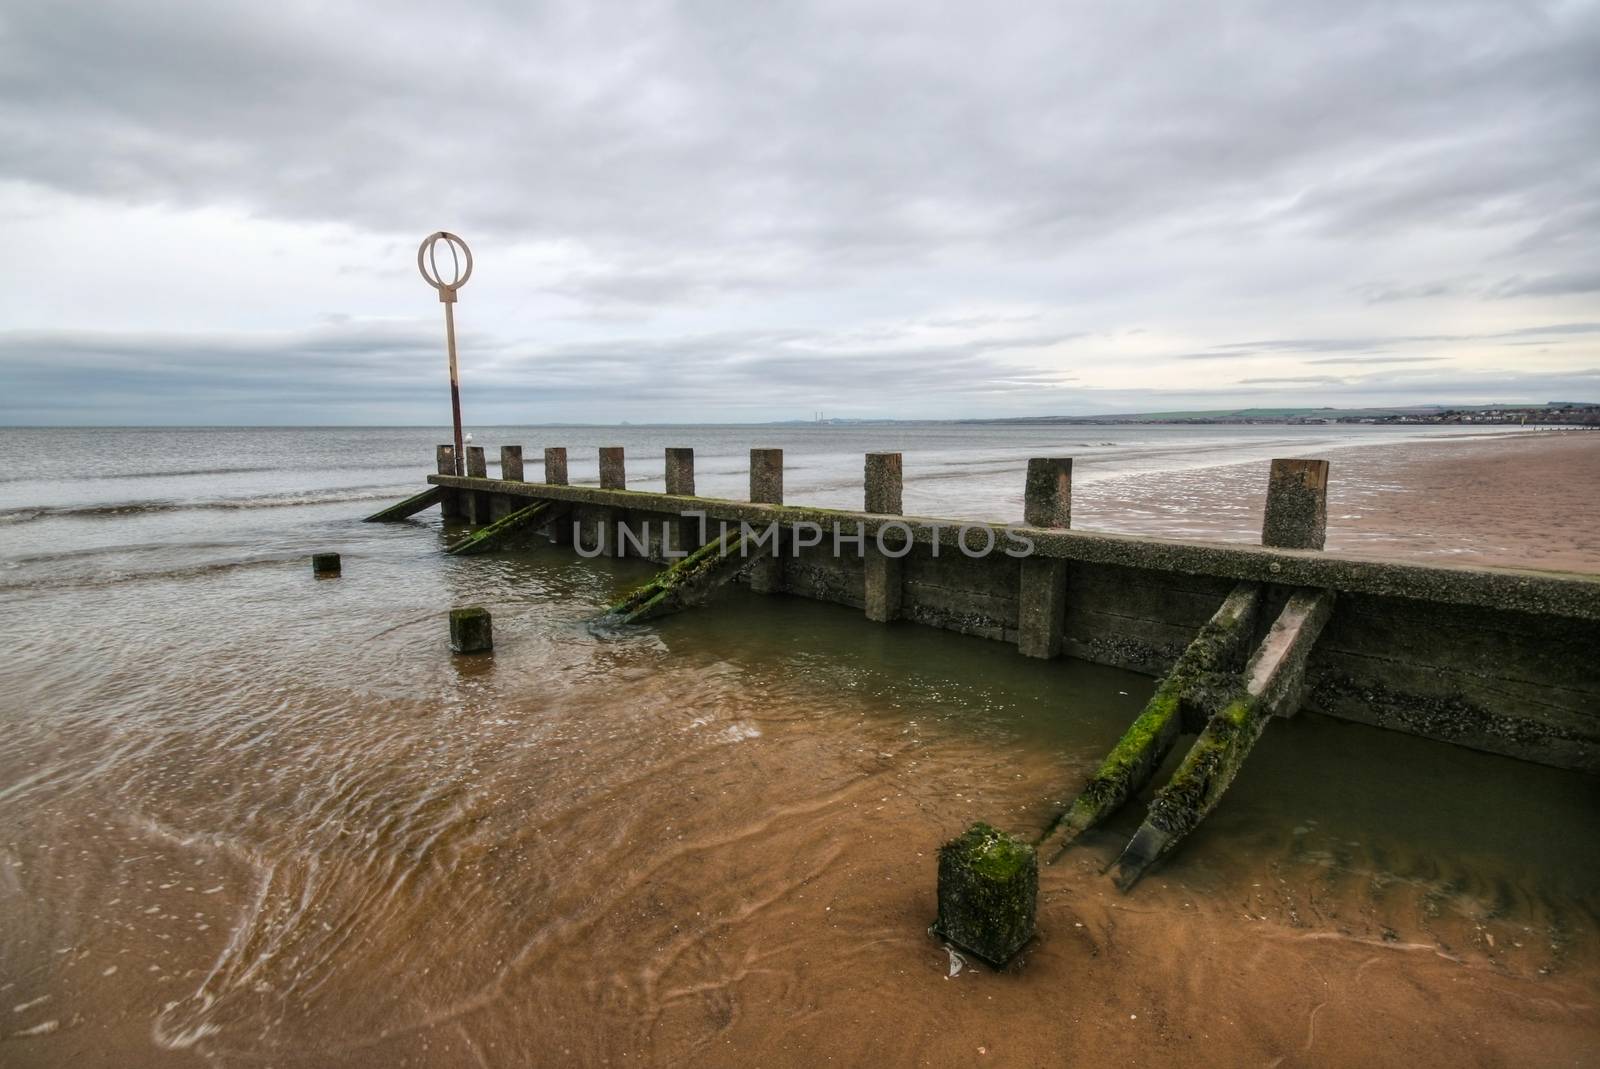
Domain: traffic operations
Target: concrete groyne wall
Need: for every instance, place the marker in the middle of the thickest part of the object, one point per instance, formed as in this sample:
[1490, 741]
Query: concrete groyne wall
[1490, 658]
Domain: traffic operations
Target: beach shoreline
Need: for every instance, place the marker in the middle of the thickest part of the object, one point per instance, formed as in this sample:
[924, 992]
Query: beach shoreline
[1458, 500]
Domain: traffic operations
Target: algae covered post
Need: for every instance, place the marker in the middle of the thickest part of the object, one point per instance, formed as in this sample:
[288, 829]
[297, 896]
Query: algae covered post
[988, 893]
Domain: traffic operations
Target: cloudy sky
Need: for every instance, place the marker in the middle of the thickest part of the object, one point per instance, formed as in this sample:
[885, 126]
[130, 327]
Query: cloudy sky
[746, 211]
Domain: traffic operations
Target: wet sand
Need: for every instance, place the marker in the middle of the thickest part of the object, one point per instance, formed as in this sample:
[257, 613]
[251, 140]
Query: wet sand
[1519, 501]
[265, 820]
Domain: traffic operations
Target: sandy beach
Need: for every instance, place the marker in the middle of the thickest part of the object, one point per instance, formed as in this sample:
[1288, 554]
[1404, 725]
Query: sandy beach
[1517, 501]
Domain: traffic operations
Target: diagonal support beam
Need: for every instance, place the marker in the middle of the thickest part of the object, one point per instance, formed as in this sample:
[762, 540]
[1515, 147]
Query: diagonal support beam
[1270, 687]
[1218, 647]
[686, 583]
[411, 505]
[536, 514]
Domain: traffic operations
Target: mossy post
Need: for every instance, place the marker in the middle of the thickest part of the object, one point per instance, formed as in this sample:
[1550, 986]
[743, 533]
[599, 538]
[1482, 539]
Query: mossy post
[766, 488]
[471, 630]
[988, 893]
[1297, 505]
[555, 466]
[883, 584]
[1042, 598]
[613, 468]
[325, 564]
[450, 505]
[511, 463]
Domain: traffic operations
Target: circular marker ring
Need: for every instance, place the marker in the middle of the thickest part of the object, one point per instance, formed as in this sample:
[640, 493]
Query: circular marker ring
[460, 263]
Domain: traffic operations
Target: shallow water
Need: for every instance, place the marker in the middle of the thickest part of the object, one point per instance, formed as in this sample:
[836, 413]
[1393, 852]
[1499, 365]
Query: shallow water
[250, 817]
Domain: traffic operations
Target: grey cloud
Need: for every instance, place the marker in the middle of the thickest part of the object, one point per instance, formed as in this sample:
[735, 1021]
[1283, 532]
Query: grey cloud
[756, 146]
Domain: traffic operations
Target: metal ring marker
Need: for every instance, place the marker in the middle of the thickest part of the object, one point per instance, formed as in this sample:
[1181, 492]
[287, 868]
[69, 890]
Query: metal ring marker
[460, 271]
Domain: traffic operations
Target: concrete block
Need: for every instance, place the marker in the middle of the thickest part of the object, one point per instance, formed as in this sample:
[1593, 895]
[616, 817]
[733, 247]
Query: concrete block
[325, 563]
[766, 476]
[1047, 497]
[477, 466]
[883, 483]
[613, 473]
[511, 463]
[471, 630]
[680, 472]
[555, 466]
[1297, 505]
[1041, 607]
[988, 893]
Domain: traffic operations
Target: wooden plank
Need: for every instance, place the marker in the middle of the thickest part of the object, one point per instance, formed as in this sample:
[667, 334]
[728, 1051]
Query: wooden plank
[409, 507]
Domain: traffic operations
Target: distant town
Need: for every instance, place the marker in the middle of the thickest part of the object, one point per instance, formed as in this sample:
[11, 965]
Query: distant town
[1550, 414]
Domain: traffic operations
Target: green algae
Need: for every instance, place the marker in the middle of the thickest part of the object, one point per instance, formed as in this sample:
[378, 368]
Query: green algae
[988, 893]
[1140, 751]
[484, 538]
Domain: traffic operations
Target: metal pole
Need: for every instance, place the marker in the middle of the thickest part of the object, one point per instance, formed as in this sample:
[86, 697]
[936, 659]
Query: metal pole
[460, 271]
[455, 385]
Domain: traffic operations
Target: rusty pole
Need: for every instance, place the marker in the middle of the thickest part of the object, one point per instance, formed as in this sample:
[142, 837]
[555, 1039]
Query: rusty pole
[461, 270]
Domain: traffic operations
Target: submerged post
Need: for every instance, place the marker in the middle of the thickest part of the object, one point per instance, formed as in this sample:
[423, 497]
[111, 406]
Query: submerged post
[988, 893]
[555, 466]
[766, 476]
[613, 473]
[1297, 505]
[471, 630]
[325, 564]
[511, 463]
[1042, 597]
[680, 471]
[882, 573]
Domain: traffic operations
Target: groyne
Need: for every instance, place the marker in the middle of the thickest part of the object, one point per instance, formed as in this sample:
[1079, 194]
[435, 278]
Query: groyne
[1494, 659]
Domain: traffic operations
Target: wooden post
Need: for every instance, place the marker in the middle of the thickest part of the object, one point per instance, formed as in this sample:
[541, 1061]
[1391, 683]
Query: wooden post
[1042, 597]
[477, 466]
[613, 473]
[325, 564]
[445, 459]
[1297, 505]
[882, 573]
[511, 463]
